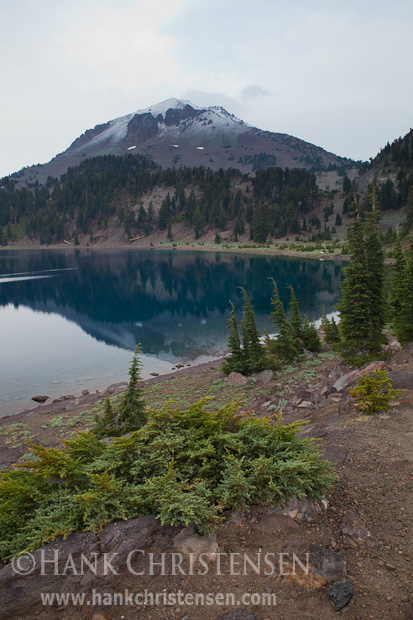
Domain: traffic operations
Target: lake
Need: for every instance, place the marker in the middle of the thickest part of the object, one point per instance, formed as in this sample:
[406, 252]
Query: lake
[70, 319]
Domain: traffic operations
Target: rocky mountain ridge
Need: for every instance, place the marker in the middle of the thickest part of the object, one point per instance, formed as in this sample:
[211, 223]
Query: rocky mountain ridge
[177, 133]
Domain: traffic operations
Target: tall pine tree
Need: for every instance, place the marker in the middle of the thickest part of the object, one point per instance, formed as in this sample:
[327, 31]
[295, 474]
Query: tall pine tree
[284, 345]
[253, 350]
[362, 301]
[376, 277]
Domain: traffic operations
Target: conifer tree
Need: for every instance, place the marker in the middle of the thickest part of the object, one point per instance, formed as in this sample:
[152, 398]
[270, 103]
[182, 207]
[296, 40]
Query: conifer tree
[408, 305]
[398, 290]
[330, 328]
[132, 414]
[376, 277]
[252, 347]
[401, 299]
[236, 361]
[354, 305]
[310, 338]
[284, 345]
[106, 425]
[295, 319]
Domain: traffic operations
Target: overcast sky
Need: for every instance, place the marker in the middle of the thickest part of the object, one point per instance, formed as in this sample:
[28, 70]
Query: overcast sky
[337, 74]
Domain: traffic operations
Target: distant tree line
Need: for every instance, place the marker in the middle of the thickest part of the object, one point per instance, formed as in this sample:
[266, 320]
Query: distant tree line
[112, 188]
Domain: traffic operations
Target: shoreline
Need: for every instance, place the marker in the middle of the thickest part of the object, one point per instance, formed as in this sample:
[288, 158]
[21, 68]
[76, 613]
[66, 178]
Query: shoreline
[190, 369]
[273, 250]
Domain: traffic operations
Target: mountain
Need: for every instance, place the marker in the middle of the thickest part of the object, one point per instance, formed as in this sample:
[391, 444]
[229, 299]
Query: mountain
[178, 133]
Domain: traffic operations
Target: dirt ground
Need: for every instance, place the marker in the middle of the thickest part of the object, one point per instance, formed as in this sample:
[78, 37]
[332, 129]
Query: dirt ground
[374, 456]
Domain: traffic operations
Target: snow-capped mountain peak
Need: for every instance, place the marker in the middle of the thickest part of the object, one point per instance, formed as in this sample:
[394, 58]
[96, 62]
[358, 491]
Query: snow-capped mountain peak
[168, 104]
[177, 133]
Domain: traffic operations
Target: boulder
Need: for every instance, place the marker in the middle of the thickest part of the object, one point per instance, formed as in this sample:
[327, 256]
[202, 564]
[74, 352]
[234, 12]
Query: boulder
[401, 380]
[236, 379]
[344, 381]
[308, 511]
[265, 376]
[341, 594]
[326, 563]
[179, 365]
[303, 395]
[305, 404]
[188, 541]
[9, 456]
[40, 398]
[353, 530]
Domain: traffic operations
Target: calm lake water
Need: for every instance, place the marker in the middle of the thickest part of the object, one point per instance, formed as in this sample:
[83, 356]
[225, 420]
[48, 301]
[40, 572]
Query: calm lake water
[69, 320]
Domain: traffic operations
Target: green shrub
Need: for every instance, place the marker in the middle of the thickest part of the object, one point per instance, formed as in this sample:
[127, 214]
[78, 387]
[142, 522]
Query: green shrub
[374, 393]
[183, 466]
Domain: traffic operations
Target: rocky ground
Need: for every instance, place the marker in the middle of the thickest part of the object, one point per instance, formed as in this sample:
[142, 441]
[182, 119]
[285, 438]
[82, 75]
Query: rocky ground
[358, 540]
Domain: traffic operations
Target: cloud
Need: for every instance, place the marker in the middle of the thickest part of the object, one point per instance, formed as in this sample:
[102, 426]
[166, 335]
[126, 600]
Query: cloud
[252, 91]
[127, 48]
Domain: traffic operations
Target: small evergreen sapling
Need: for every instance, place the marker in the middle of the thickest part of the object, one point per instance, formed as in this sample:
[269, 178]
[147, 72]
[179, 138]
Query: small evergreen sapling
[132, 409]
[235, 362]
[374, 393]
[107, 424]
[310, 338]
[330, 328]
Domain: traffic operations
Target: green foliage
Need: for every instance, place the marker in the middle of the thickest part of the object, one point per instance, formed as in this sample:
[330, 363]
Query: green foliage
[91, 194]
[107, 425]
[309, 336]
[235, 362]
[362, 303]
[132, 413]
[330, 329]
[373, 393]
[185, 465]
[401, 297]
[250, 357]
[285, 344]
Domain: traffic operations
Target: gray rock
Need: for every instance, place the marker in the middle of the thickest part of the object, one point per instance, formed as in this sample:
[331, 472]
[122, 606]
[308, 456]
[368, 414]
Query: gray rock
[9, 456]
[327, 563]
[308, 511]
[345, 380]
[85, 392]
[133, 534]
[154, 374]
[353, 530]
[305, 404]
[179, 365]
[341, 594]
[236, 379]
[188, 541]
[401, 380]
[40, 398]
[265, 376]
[303, 395]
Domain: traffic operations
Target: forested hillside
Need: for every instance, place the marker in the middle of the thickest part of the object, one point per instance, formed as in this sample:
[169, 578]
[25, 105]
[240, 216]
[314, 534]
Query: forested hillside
[394, 165]
[110, 190]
